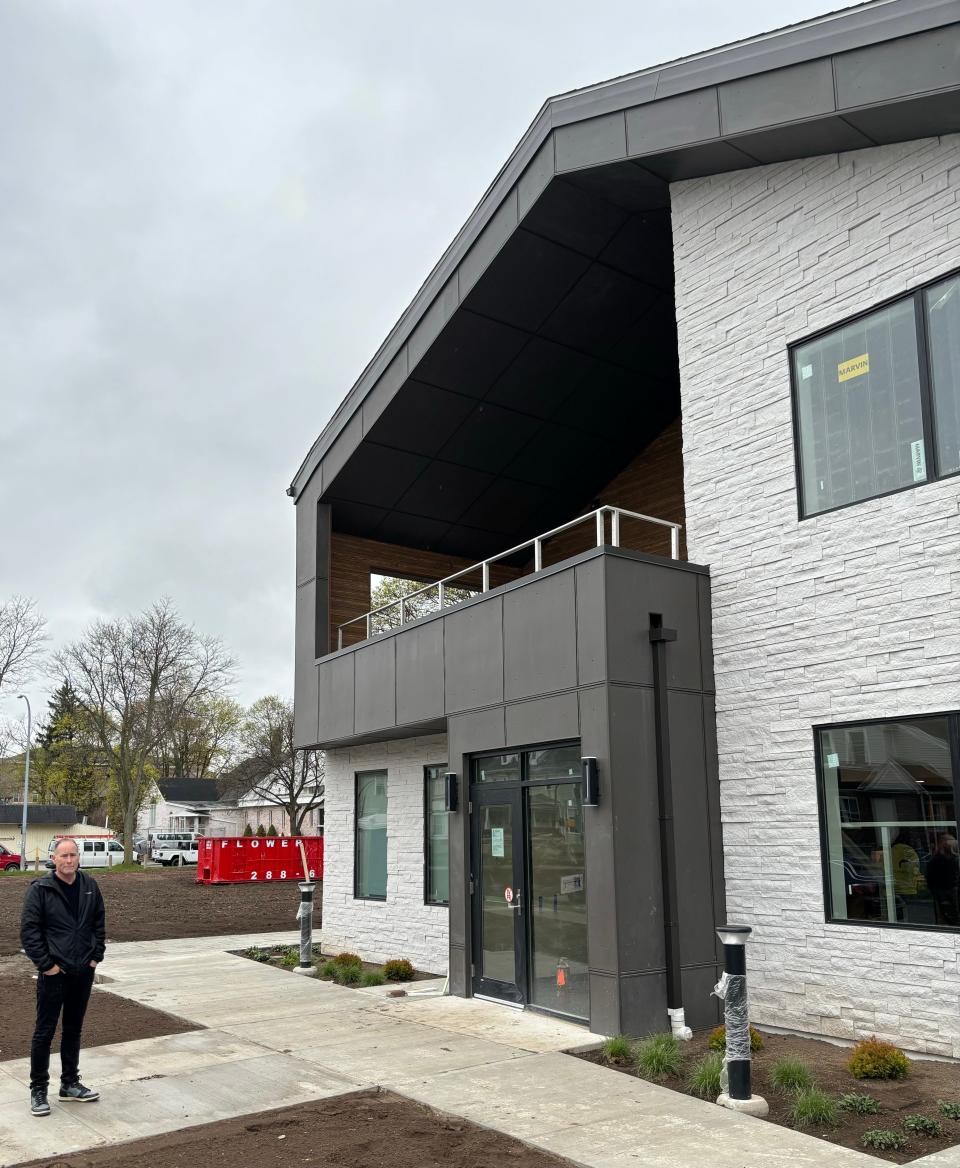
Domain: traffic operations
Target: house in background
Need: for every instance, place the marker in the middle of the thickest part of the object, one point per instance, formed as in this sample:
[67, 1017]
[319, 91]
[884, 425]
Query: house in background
[725, 294]
[44, 821]
[193, 804]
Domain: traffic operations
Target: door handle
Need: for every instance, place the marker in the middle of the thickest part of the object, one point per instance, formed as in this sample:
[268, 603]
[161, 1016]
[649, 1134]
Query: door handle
[517, 905]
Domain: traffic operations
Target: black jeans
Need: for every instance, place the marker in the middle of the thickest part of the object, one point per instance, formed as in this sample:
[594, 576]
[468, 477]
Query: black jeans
[69, 993]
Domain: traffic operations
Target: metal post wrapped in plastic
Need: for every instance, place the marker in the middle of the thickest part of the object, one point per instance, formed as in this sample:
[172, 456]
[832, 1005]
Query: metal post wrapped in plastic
[732, 988]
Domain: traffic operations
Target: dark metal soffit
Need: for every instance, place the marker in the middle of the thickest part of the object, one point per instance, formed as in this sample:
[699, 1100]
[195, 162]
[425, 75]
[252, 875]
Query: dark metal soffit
[879, 72]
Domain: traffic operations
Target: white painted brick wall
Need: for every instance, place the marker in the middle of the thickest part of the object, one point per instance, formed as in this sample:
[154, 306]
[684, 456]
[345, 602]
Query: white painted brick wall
[402, 925]
[855, 614]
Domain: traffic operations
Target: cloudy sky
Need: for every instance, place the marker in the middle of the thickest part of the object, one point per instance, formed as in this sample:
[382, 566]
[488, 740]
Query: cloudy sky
[211, 214]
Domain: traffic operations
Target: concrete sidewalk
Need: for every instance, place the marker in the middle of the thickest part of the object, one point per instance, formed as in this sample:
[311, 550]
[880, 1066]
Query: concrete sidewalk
[275, 1039]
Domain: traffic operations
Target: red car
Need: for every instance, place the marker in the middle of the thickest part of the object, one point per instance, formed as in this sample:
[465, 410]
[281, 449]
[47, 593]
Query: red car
[9, 861]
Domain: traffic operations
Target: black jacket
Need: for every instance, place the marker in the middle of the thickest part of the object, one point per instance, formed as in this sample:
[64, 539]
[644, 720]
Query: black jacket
[49, 933]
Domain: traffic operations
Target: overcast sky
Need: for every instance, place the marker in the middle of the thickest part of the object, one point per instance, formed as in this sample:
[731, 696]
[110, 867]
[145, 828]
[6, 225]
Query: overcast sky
[211, 214]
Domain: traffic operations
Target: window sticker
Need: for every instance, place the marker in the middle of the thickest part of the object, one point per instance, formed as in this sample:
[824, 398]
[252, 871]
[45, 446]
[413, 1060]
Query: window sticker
[919, 461]
[806, 372]
[572, 883]
[855, 367]
[496, 842]
[833, 761]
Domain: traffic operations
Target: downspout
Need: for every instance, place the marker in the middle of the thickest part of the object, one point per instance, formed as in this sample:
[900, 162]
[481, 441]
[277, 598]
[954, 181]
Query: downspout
[659, 637]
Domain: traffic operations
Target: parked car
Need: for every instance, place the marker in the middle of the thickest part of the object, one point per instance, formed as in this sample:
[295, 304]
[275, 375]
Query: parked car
[9, 861]
[175, 852]
[95, 852]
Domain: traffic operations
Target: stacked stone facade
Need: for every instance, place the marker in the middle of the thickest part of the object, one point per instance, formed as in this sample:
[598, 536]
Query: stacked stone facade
[845, 616]
[402, 925]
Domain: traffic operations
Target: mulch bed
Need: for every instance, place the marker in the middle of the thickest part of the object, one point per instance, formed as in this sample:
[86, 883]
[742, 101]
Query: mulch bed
[917, 1094]
[109, 1018]
[375, 1129]
[167, 902]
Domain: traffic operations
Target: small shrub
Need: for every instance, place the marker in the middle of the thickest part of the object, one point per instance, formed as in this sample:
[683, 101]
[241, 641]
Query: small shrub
[949, 1110]
[373, 977]
[248, 830]
[923, 1125]
[398, 969]
[290, 957]
[704, 1079]
[659, 1056]
[883, 1140]
[256, 954]
[272, 831]
[347, 974]
[859, 1104]
[790, 1074]
[347, 959]
[873, 1059]
[718, 1039]
[326, 971]
[813, 1108]
[261, 830]
[618, 1050]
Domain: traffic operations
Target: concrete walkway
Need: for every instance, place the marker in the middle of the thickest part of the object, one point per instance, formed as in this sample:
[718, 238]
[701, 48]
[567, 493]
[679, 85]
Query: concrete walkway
[275, 1039]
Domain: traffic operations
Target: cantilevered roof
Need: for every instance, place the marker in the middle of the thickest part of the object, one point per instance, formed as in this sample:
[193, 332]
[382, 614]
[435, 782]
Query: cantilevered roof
[541, 338]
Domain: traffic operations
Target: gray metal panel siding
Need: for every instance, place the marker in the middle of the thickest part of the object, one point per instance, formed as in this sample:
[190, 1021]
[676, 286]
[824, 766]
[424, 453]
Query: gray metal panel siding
[785, 95]
[376, 686]
[543, 720]
[705, 615]
[420, 673]
[591, 623]
[802, 140]
[383, 391]
[343, 446]
[479, 730]
[589, 143]
[664, 125]
[540, 637]
[496, 233]
[702, 1010]
[634, 591]
[305, 695]
[600, 836]
[335, 692]
[473, 656]
[306, 516]
[633, 766]
[911, 65]
[432, 322]
[534, 180]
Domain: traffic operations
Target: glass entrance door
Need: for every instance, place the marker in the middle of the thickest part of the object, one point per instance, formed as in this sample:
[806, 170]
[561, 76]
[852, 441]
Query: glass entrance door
[499, 895]
[529, 880]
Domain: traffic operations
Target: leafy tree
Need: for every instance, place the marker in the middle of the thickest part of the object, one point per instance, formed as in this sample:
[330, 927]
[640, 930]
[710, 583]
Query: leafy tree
[261, 830]
[389, 590]
[68, 766]
[133, 677]
[200, 741]
[272, 768]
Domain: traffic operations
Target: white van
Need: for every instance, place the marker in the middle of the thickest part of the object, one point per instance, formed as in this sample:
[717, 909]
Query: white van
[95, 852]
[175, 852]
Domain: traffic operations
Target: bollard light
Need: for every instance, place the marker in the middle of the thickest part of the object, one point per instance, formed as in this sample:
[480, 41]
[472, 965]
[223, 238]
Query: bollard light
[733, 989]
[305, 915]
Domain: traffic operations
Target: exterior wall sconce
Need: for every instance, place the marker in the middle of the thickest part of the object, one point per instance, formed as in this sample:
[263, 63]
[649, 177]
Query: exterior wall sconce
[451, 791]
[591, 781]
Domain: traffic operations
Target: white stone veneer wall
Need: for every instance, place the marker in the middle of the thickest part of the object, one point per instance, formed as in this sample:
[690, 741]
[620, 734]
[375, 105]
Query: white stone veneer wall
[402, 925]
[850, 615]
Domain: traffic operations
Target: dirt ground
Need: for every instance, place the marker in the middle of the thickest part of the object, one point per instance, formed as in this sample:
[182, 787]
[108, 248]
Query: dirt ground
[166, 902]
[109, 1018]
[927, 1082]
[375, 1129]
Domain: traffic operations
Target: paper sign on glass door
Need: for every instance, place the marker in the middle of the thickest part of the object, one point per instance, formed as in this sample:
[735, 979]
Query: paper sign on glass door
[496, 841]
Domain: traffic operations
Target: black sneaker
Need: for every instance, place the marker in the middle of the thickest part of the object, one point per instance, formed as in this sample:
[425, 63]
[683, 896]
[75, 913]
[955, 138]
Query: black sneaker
[38, 1102]
[77, 1093]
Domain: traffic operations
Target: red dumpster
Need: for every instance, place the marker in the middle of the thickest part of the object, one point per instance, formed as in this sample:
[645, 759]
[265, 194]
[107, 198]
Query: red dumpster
[245, 858]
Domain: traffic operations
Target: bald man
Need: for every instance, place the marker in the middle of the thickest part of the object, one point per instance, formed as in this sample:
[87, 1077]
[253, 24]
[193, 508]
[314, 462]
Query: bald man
[62, 932]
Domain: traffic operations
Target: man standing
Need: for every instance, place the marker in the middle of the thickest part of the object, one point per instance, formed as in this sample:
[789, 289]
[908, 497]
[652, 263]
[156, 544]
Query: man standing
[62, 932]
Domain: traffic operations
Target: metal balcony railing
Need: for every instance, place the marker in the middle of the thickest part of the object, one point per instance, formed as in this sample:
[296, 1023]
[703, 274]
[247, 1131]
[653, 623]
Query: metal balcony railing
[598, 517]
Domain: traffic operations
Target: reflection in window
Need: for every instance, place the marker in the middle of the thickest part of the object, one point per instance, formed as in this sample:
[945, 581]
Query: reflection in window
[497, 768]
[859, 412]
[891, 825]
[437, 841]
[556, 762]
[943, 338]
[371, 836]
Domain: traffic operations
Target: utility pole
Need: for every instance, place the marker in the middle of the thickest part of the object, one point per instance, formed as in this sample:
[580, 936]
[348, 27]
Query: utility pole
[26, 786]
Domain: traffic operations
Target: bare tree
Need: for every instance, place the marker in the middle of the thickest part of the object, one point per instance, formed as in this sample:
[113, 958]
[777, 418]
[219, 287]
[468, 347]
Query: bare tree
[23, 629]
[202, 740]
[133, 677]
[272, 768]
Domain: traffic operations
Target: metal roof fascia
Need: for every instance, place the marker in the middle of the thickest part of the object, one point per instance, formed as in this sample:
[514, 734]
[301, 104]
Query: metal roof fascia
[823, 37]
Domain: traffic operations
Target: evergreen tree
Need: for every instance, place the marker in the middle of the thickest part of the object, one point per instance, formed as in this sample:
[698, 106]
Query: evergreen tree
[68, 767]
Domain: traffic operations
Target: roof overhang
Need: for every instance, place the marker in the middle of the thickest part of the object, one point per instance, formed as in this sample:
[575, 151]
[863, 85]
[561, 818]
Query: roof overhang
[524, 293]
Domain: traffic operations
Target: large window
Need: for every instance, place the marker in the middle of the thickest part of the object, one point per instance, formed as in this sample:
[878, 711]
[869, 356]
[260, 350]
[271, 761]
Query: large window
[436, 842]
[890, 822]
[370, 868]
[878, 400]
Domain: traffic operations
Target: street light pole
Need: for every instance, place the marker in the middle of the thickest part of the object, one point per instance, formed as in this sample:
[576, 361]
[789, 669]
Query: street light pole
[26, 786]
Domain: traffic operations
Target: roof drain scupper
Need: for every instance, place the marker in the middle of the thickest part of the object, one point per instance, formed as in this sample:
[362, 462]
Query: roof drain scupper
[659, 638]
